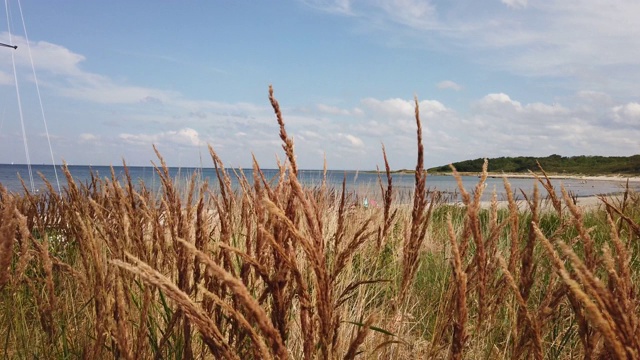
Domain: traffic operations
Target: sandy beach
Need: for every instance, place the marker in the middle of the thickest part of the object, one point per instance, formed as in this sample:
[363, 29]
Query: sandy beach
[585, 203]
[620, 178]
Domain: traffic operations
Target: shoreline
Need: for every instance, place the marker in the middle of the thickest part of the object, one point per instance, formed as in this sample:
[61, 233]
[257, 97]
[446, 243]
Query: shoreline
[494, 175]
[618, 178]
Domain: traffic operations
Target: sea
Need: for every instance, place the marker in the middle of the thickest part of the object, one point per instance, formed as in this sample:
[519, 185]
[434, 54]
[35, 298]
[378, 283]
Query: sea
[364, 183]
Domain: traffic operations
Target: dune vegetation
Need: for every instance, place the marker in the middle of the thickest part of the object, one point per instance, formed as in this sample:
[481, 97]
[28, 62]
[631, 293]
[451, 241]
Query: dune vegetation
[273, 269]
[555, 164]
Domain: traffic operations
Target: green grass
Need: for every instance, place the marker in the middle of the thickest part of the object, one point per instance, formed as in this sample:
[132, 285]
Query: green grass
[279, 270]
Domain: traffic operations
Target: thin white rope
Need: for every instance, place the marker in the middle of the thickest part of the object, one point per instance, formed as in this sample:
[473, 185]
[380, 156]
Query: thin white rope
[35, 79]
[15, 76]
[4, 111]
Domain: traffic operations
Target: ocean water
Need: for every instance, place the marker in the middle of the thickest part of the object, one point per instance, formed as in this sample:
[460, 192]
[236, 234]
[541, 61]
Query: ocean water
[363, 183]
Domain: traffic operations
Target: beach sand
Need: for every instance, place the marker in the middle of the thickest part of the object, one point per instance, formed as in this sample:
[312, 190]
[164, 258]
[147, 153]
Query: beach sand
[585, 203]
[619, 178]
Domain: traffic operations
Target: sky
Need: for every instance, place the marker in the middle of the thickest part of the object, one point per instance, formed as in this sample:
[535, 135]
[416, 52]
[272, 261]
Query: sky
[492, 77]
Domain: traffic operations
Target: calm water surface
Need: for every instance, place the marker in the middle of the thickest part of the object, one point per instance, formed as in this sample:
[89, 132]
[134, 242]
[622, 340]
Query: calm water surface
[365, 183]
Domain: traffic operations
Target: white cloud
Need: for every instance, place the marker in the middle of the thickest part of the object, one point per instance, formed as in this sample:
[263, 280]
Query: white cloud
[47, 57]
[102, 90]
[60, 69]
[515, 3]
[393, 107]
[404, 108]
[628, 114]
[332, 110]
[342, 7]
[357, 111]
[6, 79]
[184, 137]
[353, 140]
[501, 126]
[577, 39]
[311, 134]
[448, 84]
[595, 44]
[495, 124]
[545, 109]
[86, 137]
[415, 13]
[594, 96]
[499, 101]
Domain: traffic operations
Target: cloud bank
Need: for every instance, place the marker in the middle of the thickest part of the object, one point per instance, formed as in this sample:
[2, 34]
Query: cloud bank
[100, 119]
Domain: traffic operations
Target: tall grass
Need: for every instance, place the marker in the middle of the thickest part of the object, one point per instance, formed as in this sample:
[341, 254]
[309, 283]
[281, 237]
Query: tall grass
[273, 269]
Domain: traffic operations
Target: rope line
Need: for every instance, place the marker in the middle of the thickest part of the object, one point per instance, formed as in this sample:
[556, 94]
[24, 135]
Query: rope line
[15, 76]
[35, 78]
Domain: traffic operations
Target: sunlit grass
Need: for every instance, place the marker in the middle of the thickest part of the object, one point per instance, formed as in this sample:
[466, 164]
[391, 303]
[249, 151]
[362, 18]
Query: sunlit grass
[276, 269]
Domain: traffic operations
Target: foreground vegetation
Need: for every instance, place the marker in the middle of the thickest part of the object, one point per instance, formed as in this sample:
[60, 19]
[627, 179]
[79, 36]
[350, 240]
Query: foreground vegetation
[556, 164]
[273, 269]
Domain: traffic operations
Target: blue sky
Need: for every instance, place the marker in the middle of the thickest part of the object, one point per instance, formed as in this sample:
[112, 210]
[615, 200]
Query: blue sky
[494, 78]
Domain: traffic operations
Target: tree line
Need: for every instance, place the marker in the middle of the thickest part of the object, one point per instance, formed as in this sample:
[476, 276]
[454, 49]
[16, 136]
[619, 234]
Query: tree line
[587, 165]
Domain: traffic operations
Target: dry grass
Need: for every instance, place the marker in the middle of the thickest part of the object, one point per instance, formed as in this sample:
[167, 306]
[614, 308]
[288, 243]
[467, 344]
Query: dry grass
[274, 269]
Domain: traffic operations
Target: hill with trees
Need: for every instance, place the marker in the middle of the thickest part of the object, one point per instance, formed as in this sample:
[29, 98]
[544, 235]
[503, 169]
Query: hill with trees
[553, 164]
